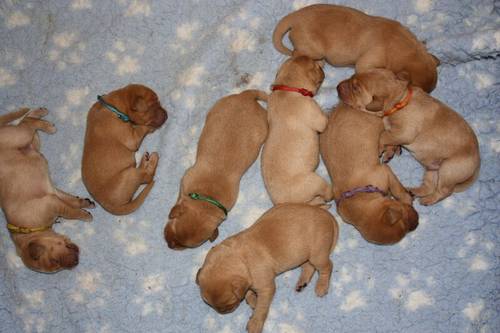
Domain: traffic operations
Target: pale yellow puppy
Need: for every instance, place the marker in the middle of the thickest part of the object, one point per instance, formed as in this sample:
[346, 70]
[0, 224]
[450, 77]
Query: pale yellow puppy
[246, 264]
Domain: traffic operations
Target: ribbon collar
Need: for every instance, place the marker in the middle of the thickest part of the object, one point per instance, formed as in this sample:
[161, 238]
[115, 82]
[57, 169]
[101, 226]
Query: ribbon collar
[23, 230]
[354, 191]
[197, 196]
[302, 91]
[398, 106]
[122, 116]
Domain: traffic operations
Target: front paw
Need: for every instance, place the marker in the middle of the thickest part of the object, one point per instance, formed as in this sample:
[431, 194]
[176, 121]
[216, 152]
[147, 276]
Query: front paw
[381, 149]
[38, 113]
[255, 325]
[389, 153]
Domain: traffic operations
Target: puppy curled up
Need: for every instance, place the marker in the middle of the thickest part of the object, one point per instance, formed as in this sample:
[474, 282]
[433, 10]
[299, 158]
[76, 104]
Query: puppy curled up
[246, 264]
[234, 131]
[291, 152]
[345, 36]
[438, 137]
[116, 126]
[29, 200]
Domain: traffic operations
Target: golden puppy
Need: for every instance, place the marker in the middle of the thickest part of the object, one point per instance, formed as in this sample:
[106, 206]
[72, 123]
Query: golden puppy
[234, 131]
[291, 151]
[438, 137]
[245, 265]
[362, 186]
[116, 126]
[28, 198]
[345, 37]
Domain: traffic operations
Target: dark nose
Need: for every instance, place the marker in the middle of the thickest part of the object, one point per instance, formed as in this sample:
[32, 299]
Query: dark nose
[412, 218]
[343, 89]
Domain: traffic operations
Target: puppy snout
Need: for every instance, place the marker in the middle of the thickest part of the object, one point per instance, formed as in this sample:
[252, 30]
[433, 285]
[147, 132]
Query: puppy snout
[412, 220]
[70, 258]
[170, 239]
[343, 90]
[160, 118]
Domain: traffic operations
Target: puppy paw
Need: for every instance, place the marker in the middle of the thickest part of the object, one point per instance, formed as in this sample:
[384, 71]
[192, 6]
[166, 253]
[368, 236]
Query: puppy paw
[300, 287]
[87, 217]
[389, 153]
[419, 191]
[251, 299]
[88, 203]
[38, 113]
[321, 289]
[429, 200]
[255, 325]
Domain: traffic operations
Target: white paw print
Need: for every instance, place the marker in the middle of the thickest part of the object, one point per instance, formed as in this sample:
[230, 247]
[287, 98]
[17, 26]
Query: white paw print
[121, 56]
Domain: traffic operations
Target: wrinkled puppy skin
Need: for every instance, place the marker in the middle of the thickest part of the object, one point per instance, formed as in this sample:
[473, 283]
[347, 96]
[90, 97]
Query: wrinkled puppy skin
[234, 131]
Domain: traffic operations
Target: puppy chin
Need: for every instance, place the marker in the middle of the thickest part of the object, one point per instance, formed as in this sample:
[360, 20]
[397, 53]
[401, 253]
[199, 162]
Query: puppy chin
[227, 309]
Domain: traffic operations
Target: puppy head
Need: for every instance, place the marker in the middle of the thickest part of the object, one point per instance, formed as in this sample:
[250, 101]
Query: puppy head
[399, 218]
[143, 106]
[375, 90]
[191, 223]
[47, 251]
[222, 285]
[301, 71]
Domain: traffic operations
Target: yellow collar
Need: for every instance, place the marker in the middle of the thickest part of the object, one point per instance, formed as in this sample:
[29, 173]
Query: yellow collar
[22, 230]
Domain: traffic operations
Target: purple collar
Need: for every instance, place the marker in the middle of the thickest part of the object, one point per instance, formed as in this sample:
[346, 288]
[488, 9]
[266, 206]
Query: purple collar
[354, 191]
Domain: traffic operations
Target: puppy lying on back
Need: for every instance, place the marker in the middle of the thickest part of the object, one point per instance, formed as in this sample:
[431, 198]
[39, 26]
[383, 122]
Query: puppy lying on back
[362, 186]
[245, 265]
[345, 37]
[116, 126]
[28, 198]
[234, 131]
[291, 151]
[438, 137]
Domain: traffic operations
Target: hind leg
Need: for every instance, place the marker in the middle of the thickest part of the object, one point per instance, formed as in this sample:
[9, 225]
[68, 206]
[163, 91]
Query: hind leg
[452, 172]
[74, 201]
[63, 209]
[305, 276]
[324, 267]
[428, 186]
[315, 189]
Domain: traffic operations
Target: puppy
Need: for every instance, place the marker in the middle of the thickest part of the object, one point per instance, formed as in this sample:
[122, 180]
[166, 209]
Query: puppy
[245, 265]
[28, 198]
[234, 131]
[291, 152]
[362, 186]
[438, 137]
[116, 126]
[345, 37]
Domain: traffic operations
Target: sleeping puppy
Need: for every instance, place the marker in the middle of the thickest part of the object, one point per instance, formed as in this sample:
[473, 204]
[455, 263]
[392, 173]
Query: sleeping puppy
[116, 126]
[246, 264]
[28, 198]
[234, 131]
[345, 37]
[291, 152]
[438, 137]
[362, 186]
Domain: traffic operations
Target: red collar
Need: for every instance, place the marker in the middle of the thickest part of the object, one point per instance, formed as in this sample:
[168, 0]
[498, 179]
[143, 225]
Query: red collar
[302, 91]
[404, 102]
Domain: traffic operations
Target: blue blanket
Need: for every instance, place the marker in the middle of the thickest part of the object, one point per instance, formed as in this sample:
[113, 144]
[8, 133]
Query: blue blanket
[444, 277]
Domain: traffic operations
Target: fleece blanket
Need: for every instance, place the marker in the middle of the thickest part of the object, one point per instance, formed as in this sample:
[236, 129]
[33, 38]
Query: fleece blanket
[444, 277]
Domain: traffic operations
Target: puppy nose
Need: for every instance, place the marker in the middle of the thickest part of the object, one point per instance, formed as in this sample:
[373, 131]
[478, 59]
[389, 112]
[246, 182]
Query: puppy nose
[70, 259]
[412, 218]
[169, 238]
[342, 89]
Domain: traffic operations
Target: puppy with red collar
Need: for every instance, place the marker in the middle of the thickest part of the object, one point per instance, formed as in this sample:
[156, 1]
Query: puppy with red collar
[291, 152]
[438, 137]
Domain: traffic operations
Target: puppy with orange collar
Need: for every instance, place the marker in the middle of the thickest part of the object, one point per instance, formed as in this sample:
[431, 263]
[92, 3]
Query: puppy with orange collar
[116, 126]
[28, 198]
[234, 131]
[291, 152]
[438, 137]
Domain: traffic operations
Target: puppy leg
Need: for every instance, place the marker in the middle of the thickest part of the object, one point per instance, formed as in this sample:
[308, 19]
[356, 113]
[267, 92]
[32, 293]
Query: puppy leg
[305, 277]
[396, 188]
[314, 189]
[318, 120]
[251, 298]
[389, 152]
[324, 267]
[73, 201]
[62, 209]
[428, 186]
[264, 298]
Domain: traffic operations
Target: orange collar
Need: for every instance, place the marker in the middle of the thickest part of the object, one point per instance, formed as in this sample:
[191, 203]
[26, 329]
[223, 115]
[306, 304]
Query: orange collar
[398, 106]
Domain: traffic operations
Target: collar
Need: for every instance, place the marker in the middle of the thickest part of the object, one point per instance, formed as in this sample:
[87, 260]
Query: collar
[302, 91]
[356, 190]
[398, 106]
[22, 230]
[122, 116]
[197, 196]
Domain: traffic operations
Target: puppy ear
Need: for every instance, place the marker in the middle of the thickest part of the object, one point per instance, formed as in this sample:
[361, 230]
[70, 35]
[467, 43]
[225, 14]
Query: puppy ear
[377, 104]
[176, 211]
[240, 287]
[35, 250]
[436, 59]
[403, 76]
[214, 235]
[392, 214]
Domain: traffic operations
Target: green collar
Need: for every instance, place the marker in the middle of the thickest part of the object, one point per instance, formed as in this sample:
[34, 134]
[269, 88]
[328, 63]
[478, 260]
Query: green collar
[122, 116]
[197, 196]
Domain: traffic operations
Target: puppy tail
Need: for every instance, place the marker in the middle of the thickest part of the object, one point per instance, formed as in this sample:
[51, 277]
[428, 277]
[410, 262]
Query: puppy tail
[257, 94]
[9, 117]
[132, 205]
[281, 29]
